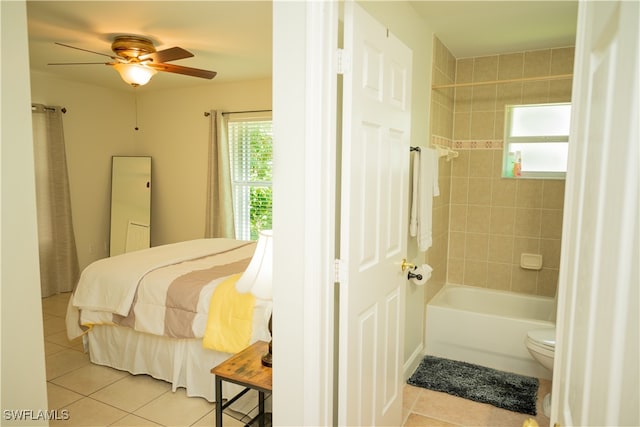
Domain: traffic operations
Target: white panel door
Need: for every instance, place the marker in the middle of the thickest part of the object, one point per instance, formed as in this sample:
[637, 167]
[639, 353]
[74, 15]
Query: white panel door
[597, 362]
[375, 163]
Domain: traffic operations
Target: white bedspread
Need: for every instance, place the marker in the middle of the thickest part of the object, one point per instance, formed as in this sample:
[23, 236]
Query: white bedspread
[109, 285]
[164, 293]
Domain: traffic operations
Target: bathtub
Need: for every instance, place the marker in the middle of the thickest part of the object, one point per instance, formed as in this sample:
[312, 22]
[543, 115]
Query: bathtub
[487, 327]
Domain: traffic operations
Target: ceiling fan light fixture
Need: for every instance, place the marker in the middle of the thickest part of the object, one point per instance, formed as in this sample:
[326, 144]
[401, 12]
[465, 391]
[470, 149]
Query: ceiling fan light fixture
[135, 74]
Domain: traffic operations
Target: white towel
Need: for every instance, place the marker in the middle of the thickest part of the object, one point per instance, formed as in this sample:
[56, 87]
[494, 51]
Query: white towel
[413, 222]
[425, 188]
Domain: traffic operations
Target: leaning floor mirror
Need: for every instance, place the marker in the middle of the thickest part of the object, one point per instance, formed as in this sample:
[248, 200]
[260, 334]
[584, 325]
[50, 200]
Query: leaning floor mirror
[130, 204]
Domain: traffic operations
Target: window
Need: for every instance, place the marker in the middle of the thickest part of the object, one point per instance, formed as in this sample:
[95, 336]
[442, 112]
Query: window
[250, 146]
[536, 140]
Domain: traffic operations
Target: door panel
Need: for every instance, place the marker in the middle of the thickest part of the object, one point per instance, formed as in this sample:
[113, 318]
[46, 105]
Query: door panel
[374, 193]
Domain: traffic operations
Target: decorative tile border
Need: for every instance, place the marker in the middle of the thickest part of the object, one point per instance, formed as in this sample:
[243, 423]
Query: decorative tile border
[442, 141]
[484, 144]
[480, 144]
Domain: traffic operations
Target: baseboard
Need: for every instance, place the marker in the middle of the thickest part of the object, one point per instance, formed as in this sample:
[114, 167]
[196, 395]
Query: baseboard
[412, 363]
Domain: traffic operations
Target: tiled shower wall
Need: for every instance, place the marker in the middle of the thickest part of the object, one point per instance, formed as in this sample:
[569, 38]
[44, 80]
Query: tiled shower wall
[444, 71]
[493, 220]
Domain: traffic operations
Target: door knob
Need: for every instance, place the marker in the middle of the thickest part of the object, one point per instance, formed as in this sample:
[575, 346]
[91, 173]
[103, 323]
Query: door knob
[411, 267]
[407, 265]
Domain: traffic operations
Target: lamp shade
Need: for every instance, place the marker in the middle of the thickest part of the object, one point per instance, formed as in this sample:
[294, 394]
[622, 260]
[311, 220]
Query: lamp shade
[135, 74]
[257, 277]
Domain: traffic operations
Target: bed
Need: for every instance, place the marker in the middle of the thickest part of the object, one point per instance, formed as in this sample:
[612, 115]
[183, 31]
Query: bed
[148, 311]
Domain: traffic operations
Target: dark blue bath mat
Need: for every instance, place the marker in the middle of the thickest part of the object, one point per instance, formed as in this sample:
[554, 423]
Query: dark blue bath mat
[504, 390]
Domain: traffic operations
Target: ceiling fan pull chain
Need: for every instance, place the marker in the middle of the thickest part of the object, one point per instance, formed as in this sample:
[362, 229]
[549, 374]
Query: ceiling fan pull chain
[135, 91]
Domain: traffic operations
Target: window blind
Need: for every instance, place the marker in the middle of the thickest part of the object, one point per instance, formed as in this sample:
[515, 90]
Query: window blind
[251, 152]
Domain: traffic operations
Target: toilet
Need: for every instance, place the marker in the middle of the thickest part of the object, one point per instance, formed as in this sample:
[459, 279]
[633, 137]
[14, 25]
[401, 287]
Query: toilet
[541, 344]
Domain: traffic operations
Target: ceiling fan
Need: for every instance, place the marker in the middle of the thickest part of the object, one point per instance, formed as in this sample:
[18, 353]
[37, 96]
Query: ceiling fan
[137, 60]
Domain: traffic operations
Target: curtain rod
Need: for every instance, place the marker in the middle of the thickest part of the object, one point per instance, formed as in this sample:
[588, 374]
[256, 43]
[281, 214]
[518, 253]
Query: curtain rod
[44, 107]
[493, 82]
[207, 114]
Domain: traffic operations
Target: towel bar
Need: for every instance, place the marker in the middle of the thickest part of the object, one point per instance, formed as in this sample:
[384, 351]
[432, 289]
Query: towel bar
[442, 151]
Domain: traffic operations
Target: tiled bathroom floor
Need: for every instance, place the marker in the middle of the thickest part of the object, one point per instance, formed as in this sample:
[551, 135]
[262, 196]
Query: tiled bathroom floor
[430, 408]
[99, 396]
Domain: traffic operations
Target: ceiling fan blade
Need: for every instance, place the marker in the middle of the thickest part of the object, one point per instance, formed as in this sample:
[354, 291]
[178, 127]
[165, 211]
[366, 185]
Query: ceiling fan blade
[80, 63]
[166, 55]
[194, 72]
[86, 50]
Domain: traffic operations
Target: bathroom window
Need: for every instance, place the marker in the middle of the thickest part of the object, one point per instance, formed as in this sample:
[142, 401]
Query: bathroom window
[536, 141]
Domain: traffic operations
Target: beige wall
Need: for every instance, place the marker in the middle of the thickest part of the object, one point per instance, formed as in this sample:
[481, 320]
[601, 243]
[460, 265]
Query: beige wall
[492, 219]
[99, 124]
[174, 130]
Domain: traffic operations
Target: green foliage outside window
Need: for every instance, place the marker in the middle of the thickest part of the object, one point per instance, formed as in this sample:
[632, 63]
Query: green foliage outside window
[259, 210]
[260, 174]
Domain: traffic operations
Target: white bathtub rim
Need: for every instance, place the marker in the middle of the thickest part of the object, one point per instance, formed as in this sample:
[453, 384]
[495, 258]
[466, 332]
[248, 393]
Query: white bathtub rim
[439, 295]
[438, 301]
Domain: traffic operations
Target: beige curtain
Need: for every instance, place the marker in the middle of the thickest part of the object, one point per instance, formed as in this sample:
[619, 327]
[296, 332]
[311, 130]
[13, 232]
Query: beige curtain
[219, 213]
[59, 269]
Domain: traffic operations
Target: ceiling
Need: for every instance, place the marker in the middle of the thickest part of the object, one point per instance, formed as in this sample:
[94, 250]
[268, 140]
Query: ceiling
[234, 38]
[480, 28]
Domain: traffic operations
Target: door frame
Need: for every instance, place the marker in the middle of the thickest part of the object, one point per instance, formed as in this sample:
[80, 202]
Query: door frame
[304, 224]
[595, 360]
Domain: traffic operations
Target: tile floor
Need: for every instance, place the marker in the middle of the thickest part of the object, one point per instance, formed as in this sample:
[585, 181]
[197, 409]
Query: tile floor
[99, 396]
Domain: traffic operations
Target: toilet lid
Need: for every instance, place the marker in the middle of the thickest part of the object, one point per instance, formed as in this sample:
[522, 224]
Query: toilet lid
[543, 336]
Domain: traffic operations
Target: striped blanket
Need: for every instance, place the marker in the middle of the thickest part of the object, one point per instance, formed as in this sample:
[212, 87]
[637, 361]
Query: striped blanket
[167, 291]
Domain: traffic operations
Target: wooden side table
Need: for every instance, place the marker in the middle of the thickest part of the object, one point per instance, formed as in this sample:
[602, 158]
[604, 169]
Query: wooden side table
[245, 369]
